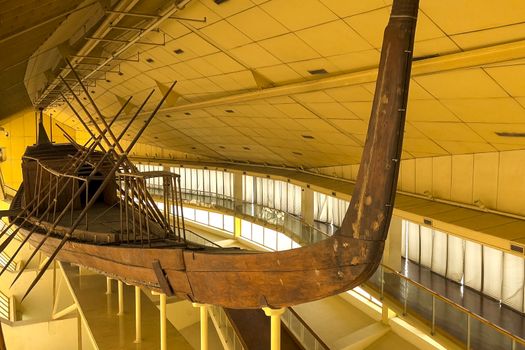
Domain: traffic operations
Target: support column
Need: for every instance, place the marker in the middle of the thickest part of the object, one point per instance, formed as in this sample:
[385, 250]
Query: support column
[237, 227]
[163, 339]
[307, 205]
[138, 315]
[237, 187]
[120, 298]
[275, 327]
[203, 308]
[109, 288]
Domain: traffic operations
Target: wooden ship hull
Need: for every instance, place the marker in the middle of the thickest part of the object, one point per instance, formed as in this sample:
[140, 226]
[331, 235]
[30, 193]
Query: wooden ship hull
[165, 260]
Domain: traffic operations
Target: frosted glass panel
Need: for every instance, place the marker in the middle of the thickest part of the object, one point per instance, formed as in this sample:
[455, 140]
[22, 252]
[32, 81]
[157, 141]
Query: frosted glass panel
[257, 234]
[426, 246]
[216, 220]
[413, 242]
[473, 265]
[492, 272]
[455, 258]
[246, 229]
[439, 253]
[513, 281]
[228, 223]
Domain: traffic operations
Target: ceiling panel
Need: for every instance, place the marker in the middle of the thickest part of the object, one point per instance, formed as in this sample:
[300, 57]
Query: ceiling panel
[470, 83]
[299, 14]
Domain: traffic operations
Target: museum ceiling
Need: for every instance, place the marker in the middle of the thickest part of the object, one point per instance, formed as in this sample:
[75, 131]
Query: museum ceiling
[291, 81]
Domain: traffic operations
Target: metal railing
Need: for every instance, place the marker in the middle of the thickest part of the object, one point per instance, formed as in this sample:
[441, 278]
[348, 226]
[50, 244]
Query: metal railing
[227, 331]
[5, 307]
[308, 339]
[441, 314]
[290, 225]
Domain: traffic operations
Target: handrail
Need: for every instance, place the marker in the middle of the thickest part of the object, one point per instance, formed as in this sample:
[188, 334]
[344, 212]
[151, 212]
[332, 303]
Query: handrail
[53, 172]
[307, 327]
[455, 305]
[206, 240]
[217, 312]
[418, 285]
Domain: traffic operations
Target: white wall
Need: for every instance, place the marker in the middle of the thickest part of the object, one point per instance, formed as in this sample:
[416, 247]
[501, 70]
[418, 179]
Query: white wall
[494, 179]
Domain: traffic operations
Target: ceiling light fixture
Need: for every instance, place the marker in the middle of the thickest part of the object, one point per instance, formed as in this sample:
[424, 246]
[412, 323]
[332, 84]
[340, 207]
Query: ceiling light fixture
[510, 134]
[246, 148]
[218, 2]
[319, 71]
[187, 113]
[297, 153]
[149, 60]
[309, 137]
[178, 51]
[229, 111]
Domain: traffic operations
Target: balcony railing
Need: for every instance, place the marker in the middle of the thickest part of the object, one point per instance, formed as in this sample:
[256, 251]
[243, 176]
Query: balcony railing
[442, 315]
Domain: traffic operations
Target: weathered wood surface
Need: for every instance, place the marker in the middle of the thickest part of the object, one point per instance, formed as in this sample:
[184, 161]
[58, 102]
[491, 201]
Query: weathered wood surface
[237, 279]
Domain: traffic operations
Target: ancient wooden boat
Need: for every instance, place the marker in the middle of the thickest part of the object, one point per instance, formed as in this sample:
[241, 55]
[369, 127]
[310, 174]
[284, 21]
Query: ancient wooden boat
[88, 205]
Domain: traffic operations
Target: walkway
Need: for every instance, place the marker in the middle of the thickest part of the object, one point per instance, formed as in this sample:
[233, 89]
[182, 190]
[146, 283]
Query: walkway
[114, 332]
[448, 319]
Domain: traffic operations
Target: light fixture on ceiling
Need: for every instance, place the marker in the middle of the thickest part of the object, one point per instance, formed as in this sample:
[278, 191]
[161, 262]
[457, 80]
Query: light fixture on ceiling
[187, 113]
[168, 116]
[309, 137]
[297, 153]
[222, 147]
[319, 71]
[149, 60]
[178, 51]
[229, 111]
[510, 134]
[246, 148]
[218, 2]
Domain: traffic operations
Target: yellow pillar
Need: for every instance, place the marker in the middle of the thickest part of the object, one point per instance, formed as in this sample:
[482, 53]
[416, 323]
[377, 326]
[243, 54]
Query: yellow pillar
[108, 286]
[120, 298]
[138, 315]
[163, 341]
[275, 328]
[237, 227]
[204, 324]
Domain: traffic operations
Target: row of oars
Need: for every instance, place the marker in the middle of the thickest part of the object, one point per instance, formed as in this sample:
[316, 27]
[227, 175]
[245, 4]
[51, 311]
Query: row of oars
[115, 154]
[50, 190]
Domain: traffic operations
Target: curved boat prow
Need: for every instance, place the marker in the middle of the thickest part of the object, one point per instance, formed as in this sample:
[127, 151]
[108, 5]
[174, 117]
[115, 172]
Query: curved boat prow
[368, 216]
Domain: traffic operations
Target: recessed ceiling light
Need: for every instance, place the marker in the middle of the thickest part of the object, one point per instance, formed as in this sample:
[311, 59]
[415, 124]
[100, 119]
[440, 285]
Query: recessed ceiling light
[318, 71]
[178, 51]
[510, 134]
[108, 81]
[120, 73]
[246, 148]
[149, 60]
[310, 137]
[229, 111]
[187, 113]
